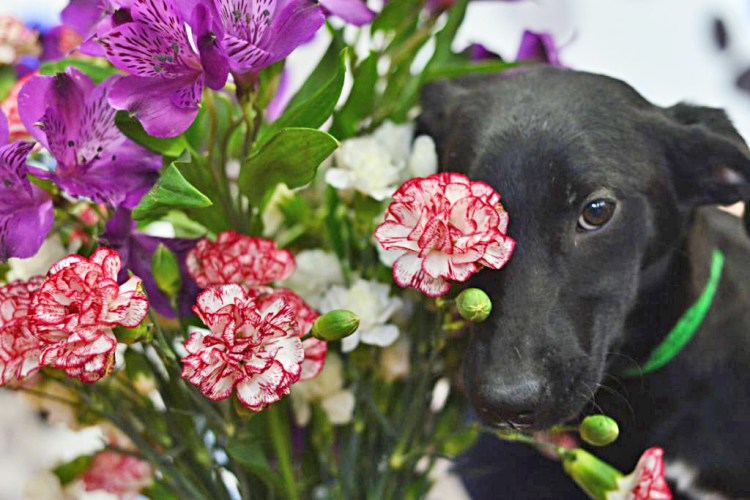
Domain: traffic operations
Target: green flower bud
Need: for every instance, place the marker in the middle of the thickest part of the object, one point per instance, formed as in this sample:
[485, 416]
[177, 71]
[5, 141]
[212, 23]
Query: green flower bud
[129, 336]
[593, 475]
[599, 430]
[474, 305]
[335, 325]
[166, 271]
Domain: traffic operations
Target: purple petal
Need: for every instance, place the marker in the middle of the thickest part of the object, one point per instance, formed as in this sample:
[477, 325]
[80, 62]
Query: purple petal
[165, 107]
[26, 212]
[64, 93]
[149, 51]
[82, 15]
[213, 59]
[293, 26]
[136, 250]
[4, 130]
[353, 12]
[539, 47]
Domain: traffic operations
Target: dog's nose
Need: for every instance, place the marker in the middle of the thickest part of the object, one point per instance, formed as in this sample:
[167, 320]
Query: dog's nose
[509, 405]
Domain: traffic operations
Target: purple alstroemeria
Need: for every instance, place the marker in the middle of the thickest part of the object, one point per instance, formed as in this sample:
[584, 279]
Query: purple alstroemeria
[538, 47]
[257, 33]
[26, 211]
[69, 115]
[90, 18]
[167, 73]
[137, 249]
[354, 12]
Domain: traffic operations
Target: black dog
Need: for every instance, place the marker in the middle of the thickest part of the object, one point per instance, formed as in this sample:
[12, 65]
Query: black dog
[605, 193]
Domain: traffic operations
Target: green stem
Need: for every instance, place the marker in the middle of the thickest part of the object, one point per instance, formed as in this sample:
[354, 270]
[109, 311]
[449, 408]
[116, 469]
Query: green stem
[282, 445]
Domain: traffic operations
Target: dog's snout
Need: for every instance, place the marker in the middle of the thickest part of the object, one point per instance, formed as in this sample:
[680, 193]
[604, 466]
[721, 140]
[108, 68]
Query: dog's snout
[511, 405]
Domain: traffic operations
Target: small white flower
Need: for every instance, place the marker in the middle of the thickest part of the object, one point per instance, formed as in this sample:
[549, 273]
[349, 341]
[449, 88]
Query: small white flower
[317, 270]
[51, 251]
[394, 361]
[371, 301]
[440, 394]
[273, 216]
[423, 160]
[377, 164]
[326, 389]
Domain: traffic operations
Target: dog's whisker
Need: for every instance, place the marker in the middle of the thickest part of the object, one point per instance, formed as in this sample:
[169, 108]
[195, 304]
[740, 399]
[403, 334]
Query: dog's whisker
[614, 392]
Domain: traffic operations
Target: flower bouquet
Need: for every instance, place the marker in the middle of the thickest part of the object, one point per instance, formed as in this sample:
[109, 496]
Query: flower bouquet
[255, 292]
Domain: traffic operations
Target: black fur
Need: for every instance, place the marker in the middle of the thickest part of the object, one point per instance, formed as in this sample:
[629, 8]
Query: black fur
[573, 309]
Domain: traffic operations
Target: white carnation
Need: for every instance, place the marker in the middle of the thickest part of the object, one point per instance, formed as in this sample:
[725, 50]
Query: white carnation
[327, 390]
[377, 164]
[371, 301]
[51, 251]
[317, 270]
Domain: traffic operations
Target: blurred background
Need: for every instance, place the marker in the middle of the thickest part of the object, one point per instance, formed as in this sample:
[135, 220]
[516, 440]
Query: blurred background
[668, 50]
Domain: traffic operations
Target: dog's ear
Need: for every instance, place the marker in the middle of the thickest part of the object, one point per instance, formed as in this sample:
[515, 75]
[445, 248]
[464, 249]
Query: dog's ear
[438, 102]
[710, 161]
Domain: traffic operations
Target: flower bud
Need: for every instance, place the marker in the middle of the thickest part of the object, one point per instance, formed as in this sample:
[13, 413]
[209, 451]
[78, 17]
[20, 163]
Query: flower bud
[599, 430]
[335, 325]
[474, 305]
[593, 475]
[128, 336]
[166, 271]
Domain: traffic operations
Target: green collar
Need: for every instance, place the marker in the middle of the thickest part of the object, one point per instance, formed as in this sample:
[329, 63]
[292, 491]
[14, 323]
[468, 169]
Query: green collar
[687, 325]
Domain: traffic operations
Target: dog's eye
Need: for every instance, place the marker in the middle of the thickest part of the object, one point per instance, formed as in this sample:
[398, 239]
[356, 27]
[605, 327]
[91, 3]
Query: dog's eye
[596, 214]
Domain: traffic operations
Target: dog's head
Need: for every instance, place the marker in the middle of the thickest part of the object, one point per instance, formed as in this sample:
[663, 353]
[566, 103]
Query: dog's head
[599, 185]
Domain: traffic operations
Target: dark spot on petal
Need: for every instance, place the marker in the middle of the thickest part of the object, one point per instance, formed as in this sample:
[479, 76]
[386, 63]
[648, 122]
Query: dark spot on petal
[71, 144]
[721, 37]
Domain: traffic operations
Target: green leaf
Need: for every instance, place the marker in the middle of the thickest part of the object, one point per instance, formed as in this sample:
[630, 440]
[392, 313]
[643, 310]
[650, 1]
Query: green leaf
[313, 111]
[292, 156]
[458, 69]
[395, 13]
[444, 38]
[132, 128]
[70, 471]
[252, 456]
[198, 173]
[7, 80]
[95, 69]
[158, 490]
[326, 68]
[360, 101]
[172, 190]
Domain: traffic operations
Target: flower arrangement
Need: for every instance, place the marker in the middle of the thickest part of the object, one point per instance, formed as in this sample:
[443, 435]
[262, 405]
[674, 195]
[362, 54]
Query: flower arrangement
[250, 305]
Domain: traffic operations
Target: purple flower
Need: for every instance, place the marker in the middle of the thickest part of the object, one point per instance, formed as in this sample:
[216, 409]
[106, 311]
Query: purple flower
[26, 211]
[167, 73]
[538, 47]
[70, 116]
[257, 33]
[90, 18]
[353, 12]
[136, 250]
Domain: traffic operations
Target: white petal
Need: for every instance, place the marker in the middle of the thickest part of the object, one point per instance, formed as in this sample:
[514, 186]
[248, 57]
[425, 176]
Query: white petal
[381, 336]
[339, 407]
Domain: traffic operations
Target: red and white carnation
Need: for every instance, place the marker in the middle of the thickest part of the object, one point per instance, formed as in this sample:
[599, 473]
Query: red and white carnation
[19, 349]
[239, 259]
[16, 129]
[646, 482]
[76, 308]
[447, 227]
[304, 316]
[253, 347]
[118, 473]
